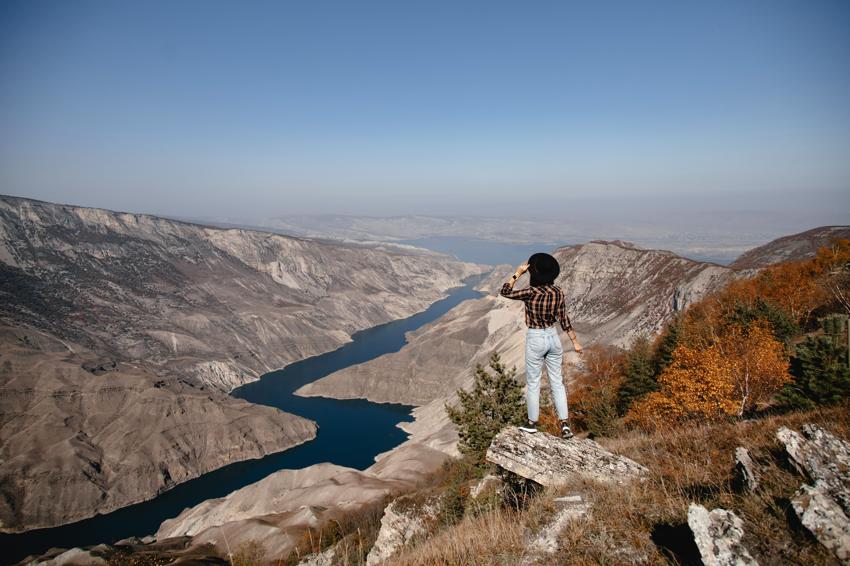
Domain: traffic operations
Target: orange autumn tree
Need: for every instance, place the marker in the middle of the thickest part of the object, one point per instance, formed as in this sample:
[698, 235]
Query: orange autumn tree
[758, 364]
[740, 369]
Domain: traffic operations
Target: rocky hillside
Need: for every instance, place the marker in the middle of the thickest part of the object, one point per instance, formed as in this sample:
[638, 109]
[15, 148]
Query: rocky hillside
[79, 438]
[794, 247]
[223, 306]
[122, 332]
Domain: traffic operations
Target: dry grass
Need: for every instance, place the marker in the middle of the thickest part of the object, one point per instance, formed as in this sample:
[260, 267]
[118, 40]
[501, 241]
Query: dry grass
[645, 522]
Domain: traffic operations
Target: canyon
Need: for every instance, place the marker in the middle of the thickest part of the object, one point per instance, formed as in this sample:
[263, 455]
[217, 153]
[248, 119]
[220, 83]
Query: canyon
[122, 334]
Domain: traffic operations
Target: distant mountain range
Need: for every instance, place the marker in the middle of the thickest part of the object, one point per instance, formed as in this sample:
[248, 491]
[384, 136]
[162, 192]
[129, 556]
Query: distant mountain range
[719, 236]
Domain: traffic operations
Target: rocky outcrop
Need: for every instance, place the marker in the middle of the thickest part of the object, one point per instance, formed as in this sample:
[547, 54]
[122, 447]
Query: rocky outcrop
[324, 558]
[794, 247]
[545, 540]
[745, 470]
[489, 484]
[822, 457]
[403, 521]
[718, 536]
[122, 331]
[825, 519]
[824, 509]
[551, 461]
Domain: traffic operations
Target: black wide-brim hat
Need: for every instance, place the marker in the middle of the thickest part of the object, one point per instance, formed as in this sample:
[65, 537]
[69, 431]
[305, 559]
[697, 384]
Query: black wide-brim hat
[544, 266]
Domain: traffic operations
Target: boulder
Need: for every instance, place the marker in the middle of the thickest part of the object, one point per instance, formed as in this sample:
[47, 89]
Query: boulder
[324, 558]
[718, 537]
[552, 461]
[745, 472]
[403, 520]
[545, 540]
[825, 519]
[75, 556]
[487, 485]
[822, 457]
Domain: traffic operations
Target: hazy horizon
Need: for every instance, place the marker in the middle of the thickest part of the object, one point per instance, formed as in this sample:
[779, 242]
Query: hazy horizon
[211, 109]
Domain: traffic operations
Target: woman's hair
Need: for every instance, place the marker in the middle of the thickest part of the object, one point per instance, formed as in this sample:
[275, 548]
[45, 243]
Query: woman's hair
[542, 269]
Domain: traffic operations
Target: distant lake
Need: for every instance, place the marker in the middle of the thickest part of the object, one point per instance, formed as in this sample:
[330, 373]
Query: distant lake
[351, 433]
[490, 252]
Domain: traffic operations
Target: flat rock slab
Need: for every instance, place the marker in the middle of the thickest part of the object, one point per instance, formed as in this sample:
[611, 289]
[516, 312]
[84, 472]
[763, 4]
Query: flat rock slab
[551, 461]
[718, 537]
[825, 520]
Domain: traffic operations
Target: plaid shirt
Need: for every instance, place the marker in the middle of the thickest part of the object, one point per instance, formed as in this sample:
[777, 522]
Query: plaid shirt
[544, 305]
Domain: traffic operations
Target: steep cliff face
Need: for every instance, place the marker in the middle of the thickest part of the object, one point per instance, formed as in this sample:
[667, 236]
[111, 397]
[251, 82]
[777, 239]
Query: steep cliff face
[122, 333]
[794, 247]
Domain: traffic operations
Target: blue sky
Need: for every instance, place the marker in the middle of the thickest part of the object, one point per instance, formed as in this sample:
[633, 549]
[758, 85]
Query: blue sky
[208, 108]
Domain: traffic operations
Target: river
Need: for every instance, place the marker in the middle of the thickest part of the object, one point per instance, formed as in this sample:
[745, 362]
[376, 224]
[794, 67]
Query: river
[351, 433]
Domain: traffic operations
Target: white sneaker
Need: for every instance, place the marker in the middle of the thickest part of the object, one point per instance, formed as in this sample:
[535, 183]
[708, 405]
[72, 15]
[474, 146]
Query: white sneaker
[530, 427]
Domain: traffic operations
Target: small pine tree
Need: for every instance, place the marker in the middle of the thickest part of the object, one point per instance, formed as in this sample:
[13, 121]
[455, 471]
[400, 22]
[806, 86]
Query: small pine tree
[639, 376]
[667, 344]
[495, 401]
[784, 328]
[820, 369]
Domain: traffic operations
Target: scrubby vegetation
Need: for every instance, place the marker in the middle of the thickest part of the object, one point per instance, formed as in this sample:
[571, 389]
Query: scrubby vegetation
[646, 522]
[773, 342]
[495, 401]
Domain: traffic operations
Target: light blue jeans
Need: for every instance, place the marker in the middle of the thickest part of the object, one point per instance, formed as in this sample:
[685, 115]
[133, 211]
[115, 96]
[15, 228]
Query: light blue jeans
[544, 344]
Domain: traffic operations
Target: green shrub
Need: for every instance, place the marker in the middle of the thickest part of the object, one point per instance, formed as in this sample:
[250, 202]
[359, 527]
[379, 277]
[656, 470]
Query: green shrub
[495, 401]
[820, 368]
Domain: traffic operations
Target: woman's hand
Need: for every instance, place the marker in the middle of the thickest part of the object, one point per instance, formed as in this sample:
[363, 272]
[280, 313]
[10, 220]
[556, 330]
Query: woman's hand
[521, 269]
[574, 340]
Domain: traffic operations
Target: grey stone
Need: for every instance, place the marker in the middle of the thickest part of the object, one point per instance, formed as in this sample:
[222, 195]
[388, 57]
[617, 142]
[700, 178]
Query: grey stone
[402, 522]
[825, 519]
[545, 541]
[552, 461]
[718, 537]
[324, 558]
[487, 484]
[822, 457]
[745, 469]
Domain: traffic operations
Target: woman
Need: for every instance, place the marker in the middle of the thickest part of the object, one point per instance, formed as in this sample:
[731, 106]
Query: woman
[544, 305]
